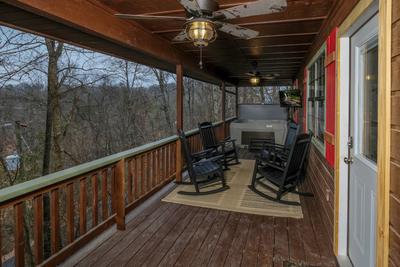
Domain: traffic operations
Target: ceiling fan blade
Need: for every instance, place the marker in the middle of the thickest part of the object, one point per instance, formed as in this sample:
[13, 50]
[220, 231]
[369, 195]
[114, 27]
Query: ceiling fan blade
[236, 30]
[180, 37]
[191, 6]
[148, 17]
[269, 77]
[260, 7]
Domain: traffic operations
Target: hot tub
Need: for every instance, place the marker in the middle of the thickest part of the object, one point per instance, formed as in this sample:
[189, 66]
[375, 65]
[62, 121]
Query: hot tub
[245, 130]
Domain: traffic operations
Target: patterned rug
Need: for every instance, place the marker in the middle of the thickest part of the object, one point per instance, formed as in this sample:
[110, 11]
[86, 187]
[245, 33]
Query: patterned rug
[239, 197]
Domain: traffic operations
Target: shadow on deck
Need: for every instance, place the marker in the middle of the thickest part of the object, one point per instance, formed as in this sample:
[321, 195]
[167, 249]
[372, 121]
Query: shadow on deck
[166, 234]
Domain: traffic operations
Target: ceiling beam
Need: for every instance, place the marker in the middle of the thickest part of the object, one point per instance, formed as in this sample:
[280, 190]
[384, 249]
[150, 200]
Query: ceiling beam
[256, 47]
[337, 14]
[264, 22]
[262, 36]
[248, 60]
[181, 10]
[277, 45]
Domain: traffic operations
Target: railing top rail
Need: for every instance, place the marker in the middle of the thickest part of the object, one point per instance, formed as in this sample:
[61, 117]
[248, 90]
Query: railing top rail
[29, 187]
[39, 183]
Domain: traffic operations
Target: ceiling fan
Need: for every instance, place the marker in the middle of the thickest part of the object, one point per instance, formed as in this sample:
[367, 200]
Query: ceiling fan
[256, 76]
[208, 11]
[204, 18]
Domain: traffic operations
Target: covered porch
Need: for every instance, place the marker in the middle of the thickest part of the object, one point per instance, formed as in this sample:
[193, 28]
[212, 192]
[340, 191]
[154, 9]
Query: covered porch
[109, 211]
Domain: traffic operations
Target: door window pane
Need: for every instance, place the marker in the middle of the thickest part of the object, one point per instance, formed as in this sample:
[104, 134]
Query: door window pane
[370, 104]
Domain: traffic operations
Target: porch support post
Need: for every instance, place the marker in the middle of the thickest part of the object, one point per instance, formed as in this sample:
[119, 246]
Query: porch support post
[179, 120]
[237, 102]
[223, 101]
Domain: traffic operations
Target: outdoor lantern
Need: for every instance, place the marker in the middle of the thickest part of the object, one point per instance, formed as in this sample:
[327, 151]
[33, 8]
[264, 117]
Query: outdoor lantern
[201, 32]
[255, 80]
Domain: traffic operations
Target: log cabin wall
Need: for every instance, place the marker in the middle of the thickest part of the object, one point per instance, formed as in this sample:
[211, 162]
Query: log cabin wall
[319, 177]
[394, 231]
[320, 181]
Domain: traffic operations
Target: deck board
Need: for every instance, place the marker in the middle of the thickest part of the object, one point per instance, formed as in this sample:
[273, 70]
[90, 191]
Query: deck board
[167, 234]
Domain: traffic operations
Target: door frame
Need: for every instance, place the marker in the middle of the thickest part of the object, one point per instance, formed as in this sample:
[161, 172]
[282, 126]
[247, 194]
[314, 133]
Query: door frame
[362, 12]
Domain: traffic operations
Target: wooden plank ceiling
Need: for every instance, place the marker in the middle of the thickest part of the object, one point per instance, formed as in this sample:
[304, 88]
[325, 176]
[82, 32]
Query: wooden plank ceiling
[284, 41]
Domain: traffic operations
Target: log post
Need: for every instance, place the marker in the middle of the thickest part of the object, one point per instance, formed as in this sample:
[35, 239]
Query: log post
[120, 194]
[223, 102]
[179, 120]
[237, 102]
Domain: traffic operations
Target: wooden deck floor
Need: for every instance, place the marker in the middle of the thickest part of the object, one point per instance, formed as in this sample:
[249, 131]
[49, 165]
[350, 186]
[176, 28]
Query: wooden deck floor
[167, 234]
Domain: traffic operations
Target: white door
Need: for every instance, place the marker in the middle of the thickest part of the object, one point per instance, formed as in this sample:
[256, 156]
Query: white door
[363, 132]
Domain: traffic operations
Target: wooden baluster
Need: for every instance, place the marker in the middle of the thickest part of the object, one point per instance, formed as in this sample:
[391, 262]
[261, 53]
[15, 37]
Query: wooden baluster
[38, 228]
[70, 213]
[168, 160]
[162, 164]
[158, 171]
[82, 206]
[171, 160]
[19, 242]
[153, 167]
[165, 163]
[142, 171]
[112, 189]
[1, 244]
[54, 221]
[130, 177]
[119, 194]
[104, 204]
[135, 181]
[148, 173]
[95, 199]
[174, 158]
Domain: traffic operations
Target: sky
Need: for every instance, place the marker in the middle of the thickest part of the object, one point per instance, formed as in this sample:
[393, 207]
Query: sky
[23, 59]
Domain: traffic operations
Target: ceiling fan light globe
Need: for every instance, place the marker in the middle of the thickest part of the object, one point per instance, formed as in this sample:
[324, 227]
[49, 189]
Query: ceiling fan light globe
[201, 32]
[255, 80]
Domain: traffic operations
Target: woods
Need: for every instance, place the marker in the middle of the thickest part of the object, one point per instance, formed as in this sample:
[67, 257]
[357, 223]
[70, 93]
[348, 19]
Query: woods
[62, 105]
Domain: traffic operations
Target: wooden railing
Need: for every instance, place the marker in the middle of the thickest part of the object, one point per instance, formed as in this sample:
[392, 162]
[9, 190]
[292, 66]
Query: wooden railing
[85, 200]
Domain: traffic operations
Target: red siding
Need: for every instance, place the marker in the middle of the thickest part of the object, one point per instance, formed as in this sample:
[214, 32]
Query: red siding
[330, 96]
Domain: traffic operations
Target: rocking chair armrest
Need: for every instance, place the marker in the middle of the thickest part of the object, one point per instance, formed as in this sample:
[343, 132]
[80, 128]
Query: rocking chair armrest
[275, 145]
[229, 139]
[203, 152]
[224, 142]
[212, 159]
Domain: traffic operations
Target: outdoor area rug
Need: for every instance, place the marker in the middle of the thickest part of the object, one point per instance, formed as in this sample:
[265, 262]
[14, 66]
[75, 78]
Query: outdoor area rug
[239, 197]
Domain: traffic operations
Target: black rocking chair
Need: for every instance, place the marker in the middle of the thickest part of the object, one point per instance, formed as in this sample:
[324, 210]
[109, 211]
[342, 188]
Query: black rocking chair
[279, 153]
[226, 147]
[282, 180]
[202, 173]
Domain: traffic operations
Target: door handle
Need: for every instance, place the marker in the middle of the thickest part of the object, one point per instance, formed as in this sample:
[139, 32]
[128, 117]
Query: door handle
[348, 161]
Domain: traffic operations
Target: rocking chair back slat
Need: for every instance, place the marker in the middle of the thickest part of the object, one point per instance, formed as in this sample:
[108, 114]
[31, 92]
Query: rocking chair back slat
[297, 156]
[286, 176]
[186, 152]
[201, 172]
[207, 135]
[293, 130]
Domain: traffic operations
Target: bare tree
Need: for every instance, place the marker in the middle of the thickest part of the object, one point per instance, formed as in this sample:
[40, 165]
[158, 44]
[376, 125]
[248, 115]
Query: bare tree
[162, 79]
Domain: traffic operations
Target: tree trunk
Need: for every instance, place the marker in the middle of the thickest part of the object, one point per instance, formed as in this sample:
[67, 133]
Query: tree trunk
[164, 101]
[53, 132]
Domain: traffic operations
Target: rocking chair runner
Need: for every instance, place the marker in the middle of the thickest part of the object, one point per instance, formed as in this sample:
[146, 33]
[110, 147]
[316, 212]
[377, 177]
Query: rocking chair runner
[279, 153]
[226, 147]
[284, 179]
[203, 172]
